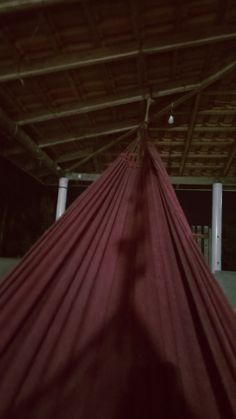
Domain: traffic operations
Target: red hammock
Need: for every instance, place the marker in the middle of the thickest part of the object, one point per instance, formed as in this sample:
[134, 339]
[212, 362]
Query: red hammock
[114, 314]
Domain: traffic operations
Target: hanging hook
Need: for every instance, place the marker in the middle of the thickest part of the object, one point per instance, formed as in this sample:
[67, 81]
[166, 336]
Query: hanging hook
[148, 104]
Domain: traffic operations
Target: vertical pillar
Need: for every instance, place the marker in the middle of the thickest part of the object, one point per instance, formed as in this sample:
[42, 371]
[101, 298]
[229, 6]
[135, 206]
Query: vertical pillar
[216, 227]
[61, 197]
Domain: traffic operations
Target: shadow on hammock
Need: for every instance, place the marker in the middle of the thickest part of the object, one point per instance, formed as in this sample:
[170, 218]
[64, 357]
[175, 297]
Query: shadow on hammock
[120, 374]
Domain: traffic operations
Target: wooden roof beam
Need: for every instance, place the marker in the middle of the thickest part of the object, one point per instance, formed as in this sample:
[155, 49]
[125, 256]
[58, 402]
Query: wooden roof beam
[108, 102]
[195, 129]
[162, 143]
[91, 133]
[219, 112]
[12, 6]
[220, 92]
[13, 131]
[231, 157]
[226, 69]
[117, 100]
[195, 143]
[103, 55]
[175, 180]
[102, 149]
[72, 156]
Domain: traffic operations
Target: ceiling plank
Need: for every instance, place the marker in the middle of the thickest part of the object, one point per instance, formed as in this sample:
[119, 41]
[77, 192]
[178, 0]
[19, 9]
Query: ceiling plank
[103, 55]
[109, 81]
[136, 13]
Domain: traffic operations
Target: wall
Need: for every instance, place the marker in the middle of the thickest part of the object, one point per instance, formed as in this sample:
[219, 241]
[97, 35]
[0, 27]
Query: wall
[197, 208]
[28, 209]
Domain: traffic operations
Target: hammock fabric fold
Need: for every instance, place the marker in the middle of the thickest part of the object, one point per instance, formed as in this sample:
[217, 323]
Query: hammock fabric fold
[114, 314]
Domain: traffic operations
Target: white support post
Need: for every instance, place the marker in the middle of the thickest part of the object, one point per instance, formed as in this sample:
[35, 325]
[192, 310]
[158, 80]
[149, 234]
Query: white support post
[61, 197]
[216, 227]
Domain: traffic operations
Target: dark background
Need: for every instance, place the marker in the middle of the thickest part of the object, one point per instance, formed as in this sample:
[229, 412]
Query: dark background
[27, 209]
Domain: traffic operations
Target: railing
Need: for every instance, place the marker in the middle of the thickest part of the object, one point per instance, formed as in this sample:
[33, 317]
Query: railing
[203, 238]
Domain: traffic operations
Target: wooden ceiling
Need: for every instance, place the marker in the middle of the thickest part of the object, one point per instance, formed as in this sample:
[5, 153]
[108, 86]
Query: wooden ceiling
[76, 77]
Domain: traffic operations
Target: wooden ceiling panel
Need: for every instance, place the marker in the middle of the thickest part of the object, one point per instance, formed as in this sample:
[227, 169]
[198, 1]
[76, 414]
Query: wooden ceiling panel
[75, 76]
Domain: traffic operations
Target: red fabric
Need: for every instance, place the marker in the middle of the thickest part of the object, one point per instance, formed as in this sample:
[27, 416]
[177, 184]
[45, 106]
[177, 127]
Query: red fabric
[114, 314]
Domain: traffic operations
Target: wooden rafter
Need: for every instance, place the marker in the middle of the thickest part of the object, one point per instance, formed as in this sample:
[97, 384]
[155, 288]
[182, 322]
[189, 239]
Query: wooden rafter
[229, 162]
[101, 150]
[226, 69]
[200, 140]
[190, 133]
[109, 102]
[91, 133]
[136, 24]
[222, 10]
[99, 43]
[132, 97]
[175, 180]
[121, 127]
[15, 132]
[72, 156]
[197, 128]
[103, 55]
[12, 6]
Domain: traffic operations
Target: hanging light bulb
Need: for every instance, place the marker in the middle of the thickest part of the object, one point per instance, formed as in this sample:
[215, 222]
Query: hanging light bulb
[171, 119]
